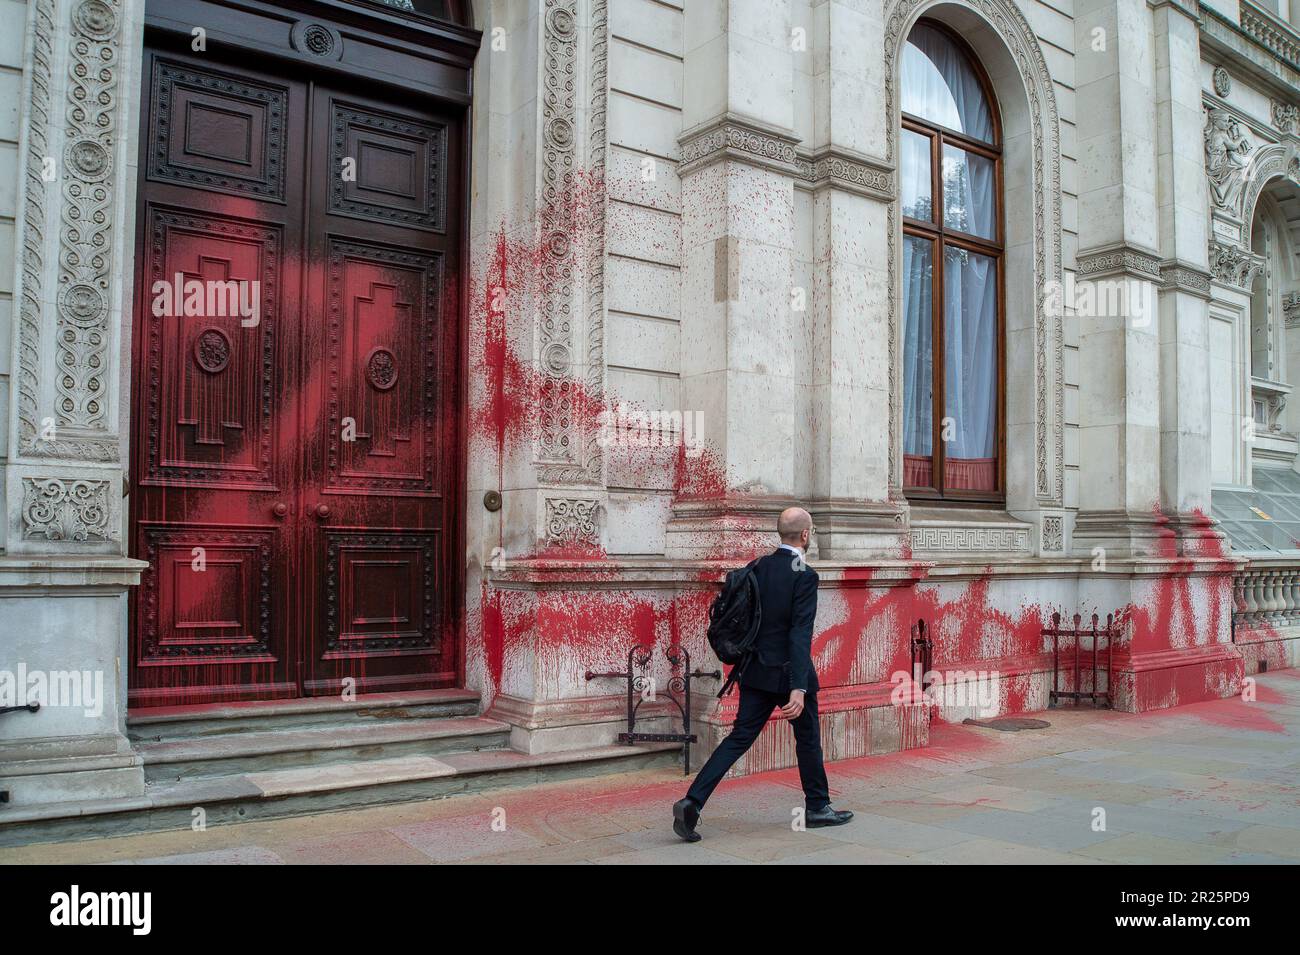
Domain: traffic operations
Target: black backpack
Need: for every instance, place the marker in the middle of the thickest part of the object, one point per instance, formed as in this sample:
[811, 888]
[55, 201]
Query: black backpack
[733, 621]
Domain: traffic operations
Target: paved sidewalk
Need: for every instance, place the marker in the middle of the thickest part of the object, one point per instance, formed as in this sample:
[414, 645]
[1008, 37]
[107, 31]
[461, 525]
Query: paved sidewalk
[1211, 782]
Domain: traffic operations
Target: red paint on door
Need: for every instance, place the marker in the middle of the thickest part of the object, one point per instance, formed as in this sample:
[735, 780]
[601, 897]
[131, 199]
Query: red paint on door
[297, 435]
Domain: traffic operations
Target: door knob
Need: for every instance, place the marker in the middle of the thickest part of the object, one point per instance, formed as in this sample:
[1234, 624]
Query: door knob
[322, 511]
[280, 509]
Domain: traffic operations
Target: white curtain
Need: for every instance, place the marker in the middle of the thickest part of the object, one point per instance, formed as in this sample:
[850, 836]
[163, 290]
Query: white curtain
[970, 366]
[939, 85]
[969, 203]
[914, 176]
[918, 400]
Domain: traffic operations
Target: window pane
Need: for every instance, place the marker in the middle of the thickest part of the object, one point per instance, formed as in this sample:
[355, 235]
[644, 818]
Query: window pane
[968, 193]
[939, 84]
[915, 176]
[970, 329]
[918, 371]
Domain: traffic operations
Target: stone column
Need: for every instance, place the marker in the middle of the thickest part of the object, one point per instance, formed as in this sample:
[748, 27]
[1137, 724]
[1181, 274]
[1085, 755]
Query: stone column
[64, 573]
[738, 168]
[1119, 234]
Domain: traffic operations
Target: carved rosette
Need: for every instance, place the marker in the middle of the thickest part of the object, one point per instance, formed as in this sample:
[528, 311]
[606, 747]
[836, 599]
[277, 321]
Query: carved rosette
[66, 510]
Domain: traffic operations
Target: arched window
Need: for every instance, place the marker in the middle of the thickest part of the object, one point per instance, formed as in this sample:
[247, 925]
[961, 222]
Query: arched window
[950, 181]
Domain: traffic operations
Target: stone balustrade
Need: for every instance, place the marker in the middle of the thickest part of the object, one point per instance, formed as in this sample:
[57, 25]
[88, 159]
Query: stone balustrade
[1267, 594]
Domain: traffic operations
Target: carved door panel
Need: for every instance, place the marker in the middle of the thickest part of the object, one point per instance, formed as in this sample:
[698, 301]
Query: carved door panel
[381, 393]
[216, 331]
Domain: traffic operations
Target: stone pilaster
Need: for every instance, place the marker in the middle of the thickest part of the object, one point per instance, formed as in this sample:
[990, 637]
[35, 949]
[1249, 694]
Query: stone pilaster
[65, 571]
[1118, 265]
[850, 186]
[738, 328]
[1185, 285]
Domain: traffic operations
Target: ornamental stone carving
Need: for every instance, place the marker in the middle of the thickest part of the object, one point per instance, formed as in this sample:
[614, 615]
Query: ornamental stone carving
[572, 521]
[66, 510]
[68, 268]
[1222, 81]
[1234, 266]
[1053, 533]
[1227, 148]
[1286, 117]
[570, 349]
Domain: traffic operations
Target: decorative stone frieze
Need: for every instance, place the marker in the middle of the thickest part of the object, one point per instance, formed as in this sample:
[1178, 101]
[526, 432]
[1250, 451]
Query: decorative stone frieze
[860, 174]
[1119, 260]
[740, 140]
[1291, 309]
[567, 349]
[1180, 277]
[977, 540]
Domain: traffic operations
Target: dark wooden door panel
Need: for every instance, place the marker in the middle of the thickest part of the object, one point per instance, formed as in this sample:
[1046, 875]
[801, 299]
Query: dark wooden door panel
[380, 407]
[217, 335]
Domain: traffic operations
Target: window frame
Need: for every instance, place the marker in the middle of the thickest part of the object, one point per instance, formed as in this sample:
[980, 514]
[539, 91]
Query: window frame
[940, 237]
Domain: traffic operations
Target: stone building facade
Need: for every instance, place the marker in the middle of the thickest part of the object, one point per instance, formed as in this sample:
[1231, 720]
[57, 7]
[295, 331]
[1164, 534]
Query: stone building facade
[660, 259]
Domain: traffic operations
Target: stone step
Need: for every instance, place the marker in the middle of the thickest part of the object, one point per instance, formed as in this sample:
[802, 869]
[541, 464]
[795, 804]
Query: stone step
[166, 723]
[332, 787]
[192, 757]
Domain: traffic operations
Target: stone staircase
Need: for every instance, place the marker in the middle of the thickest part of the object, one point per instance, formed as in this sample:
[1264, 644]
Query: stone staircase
[242, 761]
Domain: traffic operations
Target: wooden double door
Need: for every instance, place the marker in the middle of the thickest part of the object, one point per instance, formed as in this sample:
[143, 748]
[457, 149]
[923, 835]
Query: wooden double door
[296, 385]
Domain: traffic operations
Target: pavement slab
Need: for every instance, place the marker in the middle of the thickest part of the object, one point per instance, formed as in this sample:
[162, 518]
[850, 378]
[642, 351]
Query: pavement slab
[1209, 783]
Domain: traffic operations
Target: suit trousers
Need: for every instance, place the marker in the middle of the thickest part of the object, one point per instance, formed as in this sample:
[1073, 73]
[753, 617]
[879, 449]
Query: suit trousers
[756, 706]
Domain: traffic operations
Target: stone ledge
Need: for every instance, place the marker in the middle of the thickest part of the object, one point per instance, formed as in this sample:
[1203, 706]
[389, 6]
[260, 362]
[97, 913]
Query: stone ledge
[37, 574]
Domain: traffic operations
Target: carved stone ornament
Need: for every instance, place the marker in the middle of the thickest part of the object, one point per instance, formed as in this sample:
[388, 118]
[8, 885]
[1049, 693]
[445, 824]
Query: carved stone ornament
[571, 521]
[66, 510]
[1234, 266]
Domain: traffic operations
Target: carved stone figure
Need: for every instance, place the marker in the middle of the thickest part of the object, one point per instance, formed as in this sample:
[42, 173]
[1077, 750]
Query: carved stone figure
[1226, 147]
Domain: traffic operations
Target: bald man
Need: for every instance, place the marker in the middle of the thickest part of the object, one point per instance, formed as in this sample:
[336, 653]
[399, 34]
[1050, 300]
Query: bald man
[779, 674]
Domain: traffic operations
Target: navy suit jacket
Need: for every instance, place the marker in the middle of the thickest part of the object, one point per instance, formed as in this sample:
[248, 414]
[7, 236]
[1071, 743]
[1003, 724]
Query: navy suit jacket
[787, 589]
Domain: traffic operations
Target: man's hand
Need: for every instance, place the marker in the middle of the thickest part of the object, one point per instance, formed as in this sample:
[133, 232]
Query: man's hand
[792, 709]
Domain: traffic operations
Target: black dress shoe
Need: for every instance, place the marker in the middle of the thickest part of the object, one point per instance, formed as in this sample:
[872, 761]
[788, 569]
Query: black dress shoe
[685, 815]
[817, 818]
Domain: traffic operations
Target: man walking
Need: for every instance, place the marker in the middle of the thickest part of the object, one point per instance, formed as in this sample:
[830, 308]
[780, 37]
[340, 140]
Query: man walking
[779, 674]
